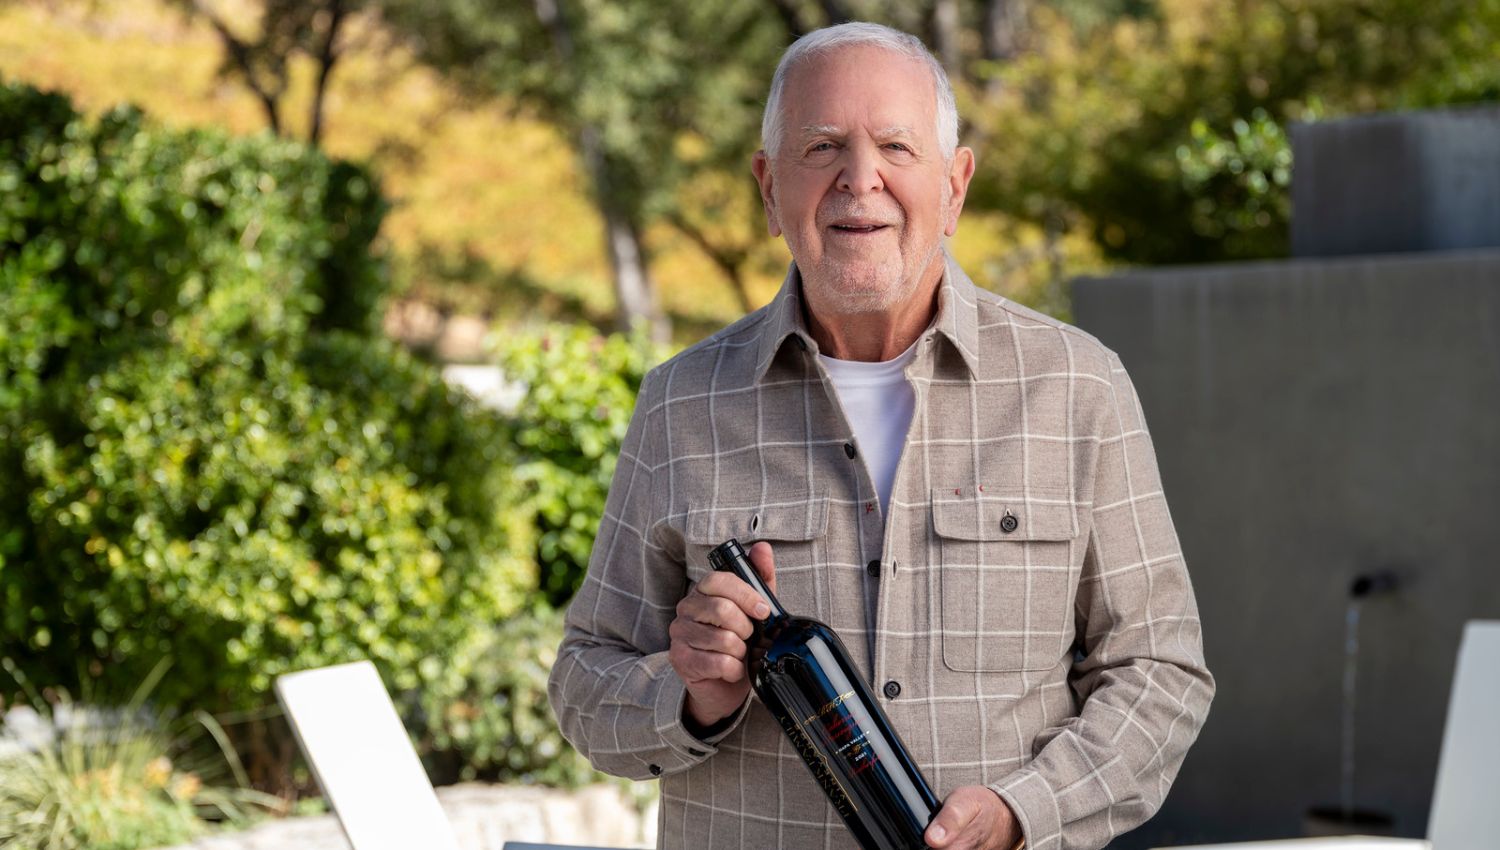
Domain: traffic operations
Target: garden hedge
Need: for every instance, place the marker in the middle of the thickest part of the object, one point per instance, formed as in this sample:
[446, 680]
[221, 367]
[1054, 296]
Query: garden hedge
[205, 450]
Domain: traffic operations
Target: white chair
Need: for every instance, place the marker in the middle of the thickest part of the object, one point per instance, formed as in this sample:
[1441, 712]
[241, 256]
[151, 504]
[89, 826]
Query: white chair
[1466, 799]
[363, 760]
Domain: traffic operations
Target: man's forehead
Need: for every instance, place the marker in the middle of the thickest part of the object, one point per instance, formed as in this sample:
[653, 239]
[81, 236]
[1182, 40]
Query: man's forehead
[858, 66]
[838, 131]
[872, 85]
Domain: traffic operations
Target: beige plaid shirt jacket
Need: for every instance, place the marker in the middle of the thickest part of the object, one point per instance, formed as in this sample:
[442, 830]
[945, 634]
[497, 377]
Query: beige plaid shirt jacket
[1056, 658]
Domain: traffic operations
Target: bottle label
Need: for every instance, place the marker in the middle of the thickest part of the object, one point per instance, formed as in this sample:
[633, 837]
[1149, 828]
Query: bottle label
[820, 769]
[843, 730]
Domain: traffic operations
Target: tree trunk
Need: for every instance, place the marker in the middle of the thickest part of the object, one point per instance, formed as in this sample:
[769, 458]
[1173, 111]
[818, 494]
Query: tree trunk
[945, 31]
[328, 56]
[1001, 34]
[1004, 21]
[634, 291]
[635, 295]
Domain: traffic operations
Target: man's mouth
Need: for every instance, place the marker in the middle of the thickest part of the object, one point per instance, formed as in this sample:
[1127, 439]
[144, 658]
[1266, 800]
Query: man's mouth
[859, 228]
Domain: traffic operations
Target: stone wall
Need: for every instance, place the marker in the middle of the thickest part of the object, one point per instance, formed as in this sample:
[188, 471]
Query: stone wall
[484, 817]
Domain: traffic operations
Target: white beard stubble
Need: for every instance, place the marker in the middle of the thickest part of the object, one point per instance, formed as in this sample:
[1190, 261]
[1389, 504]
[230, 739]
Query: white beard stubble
[865, 288]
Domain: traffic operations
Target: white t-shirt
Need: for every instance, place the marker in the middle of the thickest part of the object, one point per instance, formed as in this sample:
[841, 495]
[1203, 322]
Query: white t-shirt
[878, 402]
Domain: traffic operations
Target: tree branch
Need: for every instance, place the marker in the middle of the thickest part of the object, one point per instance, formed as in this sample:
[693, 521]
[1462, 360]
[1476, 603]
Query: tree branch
[240, 53]
[835, 11]
[327, 57]
[791, 16]
[729, 260]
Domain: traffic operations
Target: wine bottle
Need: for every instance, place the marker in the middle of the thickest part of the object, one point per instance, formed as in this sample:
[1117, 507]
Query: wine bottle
[803, 674]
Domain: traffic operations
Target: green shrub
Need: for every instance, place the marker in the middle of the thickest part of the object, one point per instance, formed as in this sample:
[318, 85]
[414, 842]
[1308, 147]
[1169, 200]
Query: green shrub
[119, 779]
[256, 513]
[1240, 184]
[204, 454]
[193, 234]
[490, 712]
[580, 391]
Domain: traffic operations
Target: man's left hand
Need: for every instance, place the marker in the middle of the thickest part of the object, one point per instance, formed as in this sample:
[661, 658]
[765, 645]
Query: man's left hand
[973, 818]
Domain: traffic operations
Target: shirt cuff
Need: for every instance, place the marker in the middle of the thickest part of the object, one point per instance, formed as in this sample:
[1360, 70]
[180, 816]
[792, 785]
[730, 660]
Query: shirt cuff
[671, 700]
[1034, 804]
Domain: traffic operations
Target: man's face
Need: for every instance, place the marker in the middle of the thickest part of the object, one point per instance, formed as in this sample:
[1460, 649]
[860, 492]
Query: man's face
[859, 186]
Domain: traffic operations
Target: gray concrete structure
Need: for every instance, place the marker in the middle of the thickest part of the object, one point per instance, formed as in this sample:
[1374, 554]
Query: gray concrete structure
[1317, 421]
[1421, 181]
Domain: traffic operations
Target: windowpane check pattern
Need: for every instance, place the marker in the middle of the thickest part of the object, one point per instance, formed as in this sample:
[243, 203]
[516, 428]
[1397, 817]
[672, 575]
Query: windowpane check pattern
[1031, 625]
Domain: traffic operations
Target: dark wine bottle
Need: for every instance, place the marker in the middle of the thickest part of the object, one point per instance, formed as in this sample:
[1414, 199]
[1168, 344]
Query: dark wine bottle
[803, 674]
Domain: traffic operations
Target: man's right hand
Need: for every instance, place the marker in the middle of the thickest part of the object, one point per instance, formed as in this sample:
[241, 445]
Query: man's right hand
[708, 639]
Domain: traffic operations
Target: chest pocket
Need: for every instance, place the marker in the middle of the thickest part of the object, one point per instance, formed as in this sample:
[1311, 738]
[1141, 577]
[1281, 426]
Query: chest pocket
[1008, 573]
[797, 531]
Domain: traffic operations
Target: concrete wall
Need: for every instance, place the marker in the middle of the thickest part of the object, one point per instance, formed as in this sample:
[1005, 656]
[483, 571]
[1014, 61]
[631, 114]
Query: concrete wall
[1317, 420]
[1403, 182]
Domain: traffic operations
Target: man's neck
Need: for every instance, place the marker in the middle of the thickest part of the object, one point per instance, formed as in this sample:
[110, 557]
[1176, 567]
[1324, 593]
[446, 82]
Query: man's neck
[880, 336]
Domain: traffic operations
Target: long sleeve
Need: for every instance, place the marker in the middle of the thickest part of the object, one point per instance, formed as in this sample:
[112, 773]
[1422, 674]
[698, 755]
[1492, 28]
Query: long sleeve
[616, 697]
[1142, 682]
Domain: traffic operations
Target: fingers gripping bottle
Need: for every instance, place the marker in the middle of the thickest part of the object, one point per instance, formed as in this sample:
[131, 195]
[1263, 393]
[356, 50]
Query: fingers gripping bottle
[804, 676]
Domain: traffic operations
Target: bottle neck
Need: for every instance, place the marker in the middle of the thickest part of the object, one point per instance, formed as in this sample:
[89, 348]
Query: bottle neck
[730, 557]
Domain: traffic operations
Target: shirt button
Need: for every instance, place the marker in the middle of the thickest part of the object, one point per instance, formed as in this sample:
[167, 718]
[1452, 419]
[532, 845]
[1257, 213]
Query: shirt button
[1008, 523]
[892, 689]
[849, 450]
[873, 568]
[655, 769]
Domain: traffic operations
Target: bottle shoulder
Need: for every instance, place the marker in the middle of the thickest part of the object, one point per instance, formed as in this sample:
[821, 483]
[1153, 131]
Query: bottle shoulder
[795, 625]
[795, 635]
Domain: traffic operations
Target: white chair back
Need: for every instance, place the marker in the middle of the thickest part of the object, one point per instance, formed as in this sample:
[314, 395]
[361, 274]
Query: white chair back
[363, 760]
[1466, 799]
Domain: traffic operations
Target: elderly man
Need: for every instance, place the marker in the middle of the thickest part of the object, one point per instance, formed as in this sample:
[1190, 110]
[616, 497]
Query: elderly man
[962, 487]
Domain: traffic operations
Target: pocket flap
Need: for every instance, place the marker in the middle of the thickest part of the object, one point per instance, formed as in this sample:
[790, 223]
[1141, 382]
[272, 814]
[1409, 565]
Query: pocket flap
[1037, 515]
[803, 519]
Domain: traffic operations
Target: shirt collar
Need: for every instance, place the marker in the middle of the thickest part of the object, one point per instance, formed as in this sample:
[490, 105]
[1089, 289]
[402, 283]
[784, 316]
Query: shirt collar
[957, 318]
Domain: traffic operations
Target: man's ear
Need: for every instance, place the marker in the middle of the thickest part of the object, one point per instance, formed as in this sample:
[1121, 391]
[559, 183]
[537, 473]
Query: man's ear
[960, 172]
[760, 166]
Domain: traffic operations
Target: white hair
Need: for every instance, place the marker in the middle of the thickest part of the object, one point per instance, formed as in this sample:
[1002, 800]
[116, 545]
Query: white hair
[860, 34]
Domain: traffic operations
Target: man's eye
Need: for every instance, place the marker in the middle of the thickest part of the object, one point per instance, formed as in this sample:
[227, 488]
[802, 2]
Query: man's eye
[897, 146]
[821, 146]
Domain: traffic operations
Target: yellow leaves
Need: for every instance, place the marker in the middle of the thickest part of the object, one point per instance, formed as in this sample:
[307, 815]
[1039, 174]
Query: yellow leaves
[158, 772]
[186, 786]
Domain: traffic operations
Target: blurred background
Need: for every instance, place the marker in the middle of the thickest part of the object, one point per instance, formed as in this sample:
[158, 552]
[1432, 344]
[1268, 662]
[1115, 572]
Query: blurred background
[321, 322]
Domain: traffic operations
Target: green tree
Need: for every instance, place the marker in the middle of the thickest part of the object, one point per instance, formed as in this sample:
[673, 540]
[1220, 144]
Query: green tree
[260, 55]
[1112, 127]
[647, 94]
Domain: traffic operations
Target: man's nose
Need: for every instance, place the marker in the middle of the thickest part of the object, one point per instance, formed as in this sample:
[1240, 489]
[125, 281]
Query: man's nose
[861, 172]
